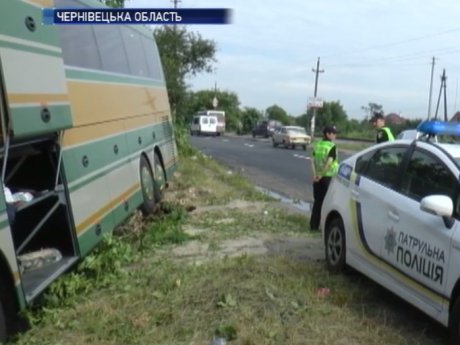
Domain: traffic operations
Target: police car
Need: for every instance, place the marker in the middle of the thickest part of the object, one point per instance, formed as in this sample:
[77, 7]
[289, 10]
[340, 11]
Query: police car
[393, 213]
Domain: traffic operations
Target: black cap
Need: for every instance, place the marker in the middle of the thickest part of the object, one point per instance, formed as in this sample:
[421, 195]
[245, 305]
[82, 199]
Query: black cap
[330, 129]
[377, 116]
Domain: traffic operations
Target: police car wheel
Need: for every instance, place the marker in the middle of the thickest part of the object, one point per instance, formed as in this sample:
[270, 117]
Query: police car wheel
[454, 322]
[335, 245]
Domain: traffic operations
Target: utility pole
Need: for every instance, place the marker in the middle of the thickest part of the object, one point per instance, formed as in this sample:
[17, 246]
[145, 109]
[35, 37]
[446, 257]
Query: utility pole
[431, 89]
[176, 2]
[445, 95]
[312, 124]
[215, 101]
[456, 95]
[441, 89]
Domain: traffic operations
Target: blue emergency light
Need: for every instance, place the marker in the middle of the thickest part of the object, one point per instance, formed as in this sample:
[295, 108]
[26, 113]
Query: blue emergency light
[433, 128]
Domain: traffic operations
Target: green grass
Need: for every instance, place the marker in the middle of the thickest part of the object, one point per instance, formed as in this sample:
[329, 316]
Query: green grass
[133, 290]
[353, 146]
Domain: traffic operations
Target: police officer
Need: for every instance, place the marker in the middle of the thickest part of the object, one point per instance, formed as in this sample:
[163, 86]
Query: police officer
[326, 164]
[383, 132]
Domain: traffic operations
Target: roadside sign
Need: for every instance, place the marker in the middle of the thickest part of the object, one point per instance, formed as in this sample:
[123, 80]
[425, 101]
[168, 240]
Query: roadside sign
[314, 102]
[215, 102]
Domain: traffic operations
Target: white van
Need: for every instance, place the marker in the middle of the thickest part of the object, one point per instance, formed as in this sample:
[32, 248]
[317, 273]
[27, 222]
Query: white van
[204, 125]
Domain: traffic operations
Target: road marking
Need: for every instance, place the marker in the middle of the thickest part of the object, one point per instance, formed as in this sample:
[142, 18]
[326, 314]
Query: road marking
[224, 140]
[249, 145]
[300, 156]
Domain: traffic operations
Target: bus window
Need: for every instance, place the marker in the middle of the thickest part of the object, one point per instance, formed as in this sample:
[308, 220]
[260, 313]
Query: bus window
[153, 60]
[132, 42]
[113, 53]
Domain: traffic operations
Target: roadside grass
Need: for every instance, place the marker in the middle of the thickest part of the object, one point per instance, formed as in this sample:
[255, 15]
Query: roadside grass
[353, 146]
[247, 300]
[201, 180]
[222, 224]
[132, 291]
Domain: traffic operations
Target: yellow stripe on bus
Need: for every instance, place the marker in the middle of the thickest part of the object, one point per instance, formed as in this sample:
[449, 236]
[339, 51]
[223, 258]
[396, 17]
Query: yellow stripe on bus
[86, 134]
[41, 3]
[113, 101]
[16, 277]
[95, 217]
[17, 98]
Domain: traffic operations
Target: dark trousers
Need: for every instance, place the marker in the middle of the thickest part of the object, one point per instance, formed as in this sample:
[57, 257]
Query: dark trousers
[319, 192]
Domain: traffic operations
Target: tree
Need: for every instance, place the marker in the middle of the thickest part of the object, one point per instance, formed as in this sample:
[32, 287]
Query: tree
[277, 113]
[114, 3]
[184, 54]
[372, 108]
[332, 113]
[228, 101]
[249, 118]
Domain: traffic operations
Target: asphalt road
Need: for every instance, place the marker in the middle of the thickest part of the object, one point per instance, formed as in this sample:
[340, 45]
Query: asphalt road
[280, 170]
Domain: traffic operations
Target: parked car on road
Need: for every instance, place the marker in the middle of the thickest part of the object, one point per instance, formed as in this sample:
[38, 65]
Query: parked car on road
[393, 213]
[291, 136]
[265, 128]
[203, 125]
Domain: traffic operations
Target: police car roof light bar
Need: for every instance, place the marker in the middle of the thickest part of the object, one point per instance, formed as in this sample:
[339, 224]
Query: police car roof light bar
[433, 128]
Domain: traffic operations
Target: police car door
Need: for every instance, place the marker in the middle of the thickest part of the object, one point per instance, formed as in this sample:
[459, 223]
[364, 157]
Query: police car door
[371, 192]
[417, 243]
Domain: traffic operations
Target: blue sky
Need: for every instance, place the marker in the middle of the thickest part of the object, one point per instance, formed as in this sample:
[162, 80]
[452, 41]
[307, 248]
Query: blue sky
[371, 51]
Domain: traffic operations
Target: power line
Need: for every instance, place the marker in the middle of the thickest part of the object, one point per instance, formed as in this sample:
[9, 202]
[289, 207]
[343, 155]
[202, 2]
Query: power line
[400, 58]
[390, 44]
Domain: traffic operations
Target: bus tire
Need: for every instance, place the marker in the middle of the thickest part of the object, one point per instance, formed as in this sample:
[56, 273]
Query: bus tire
[3, 330]
[147, 187]
[159, 182]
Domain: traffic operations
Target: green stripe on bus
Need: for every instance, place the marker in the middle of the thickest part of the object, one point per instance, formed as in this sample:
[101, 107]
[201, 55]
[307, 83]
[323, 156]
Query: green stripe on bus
[4, 224]
[30, 49]
[21, 298]
[88, 239]
[13, 23]
[29, 120]
[101, 153]
[107, 77]
[93, 234]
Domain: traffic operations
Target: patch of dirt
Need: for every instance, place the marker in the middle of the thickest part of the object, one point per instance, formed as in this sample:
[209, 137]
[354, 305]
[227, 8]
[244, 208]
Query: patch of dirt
[241, 205]
[298, 247]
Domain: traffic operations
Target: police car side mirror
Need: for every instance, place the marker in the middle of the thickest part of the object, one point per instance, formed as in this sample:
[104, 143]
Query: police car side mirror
[439, 205]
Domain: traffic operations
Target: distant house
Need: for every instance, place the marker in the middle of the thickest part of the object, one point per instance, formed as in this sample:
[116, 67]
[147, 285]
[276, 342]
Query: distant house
[394, 119]
[456, 117]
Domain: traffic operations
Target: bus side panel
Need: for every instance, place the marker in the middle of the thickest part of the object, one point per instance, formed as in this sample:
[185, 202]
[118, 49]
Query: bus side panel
[33, 71]
[86, 168]
[7, 249]
[118, 97]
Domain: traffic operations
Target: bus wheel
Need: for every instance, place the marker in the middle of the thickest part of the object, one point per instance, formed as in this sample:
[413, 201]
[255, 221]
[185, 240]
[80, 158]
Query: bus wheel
[3, 332]
[147, 187]
[159, 179]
